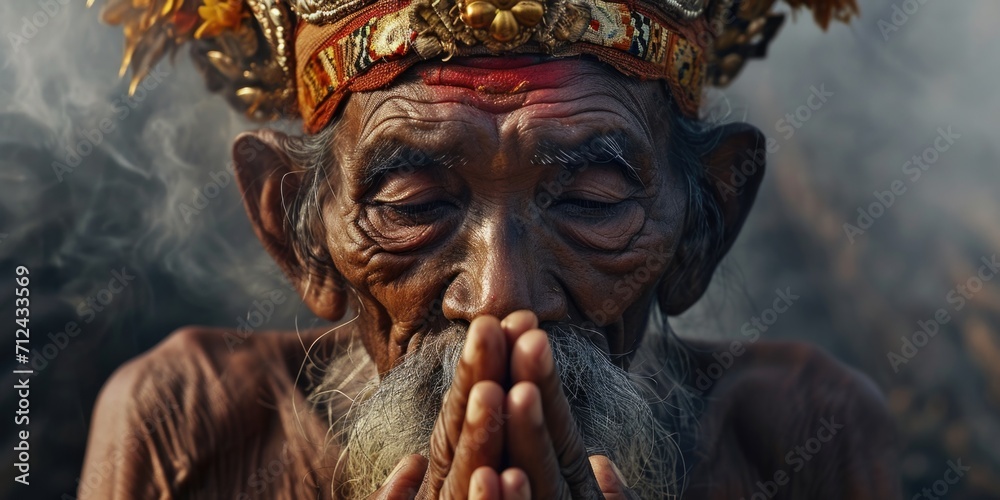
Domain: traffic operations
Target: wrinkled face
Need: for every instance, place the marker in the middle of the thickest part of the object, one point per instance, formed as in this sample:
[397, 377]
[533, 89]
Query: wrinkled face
[457, 198]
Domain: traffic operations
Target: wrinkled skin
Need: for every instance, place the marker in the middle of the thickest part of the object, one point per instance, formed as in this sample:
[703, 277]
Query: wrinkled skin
[458, 240]
[455, 229]
[474, 237]
[546, 456]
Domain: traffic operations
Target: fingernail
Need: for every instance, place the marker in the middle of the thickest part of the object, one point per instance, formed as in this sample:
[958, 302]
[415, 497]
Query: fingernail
[476, 410]
[548, 364]
[536, 412]
[618, 472]
[395, 471]
[392, 474]
[478, 489]
[469, 351]
[525, 490]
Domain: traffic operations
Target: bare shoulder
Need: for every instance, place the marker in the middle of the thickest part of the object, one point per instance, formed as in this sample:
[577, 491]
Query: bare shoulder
[803, 373]
[164, 420]
[808, 424]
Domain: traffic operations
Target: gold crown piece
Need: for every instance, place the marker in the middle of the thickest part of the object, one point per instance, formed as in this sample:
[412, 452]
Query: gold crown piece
[298, 58]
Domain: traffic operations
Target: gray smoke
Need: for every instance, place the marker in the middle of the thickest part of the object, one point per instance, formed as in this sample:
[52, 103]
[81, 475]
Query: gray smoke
[121, 205]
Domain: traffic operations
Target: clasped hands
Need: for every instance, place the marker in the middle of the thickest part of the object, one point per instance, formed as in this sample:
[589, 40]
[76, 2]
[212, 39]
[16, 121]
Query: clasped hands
[495, 442]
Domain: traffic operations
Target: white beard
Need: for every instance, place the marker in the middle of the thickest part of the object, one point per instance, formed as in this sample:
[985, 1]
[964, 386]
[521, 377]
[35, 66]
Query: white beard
[391, 418]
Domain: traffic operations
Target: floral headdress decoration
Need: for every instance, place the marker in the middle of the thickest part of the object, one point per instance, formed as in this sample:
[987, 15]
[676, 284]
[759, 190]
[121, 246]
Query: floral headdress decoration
[300, 58]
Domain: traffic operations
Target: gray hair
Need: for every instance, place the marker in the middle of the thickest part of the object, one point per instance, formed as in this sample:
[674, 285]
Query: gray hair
[634, 418]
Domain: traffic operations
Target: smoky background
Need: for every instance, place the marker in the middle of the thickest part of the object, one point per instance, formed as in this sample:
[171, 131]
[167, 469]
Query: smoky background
[154, 199]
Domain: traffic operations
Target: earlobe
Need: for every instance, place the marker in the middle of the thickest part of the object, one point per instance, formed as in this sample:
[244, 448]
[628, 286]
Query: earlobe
[270, 183]
[733, 172]
[324, 294]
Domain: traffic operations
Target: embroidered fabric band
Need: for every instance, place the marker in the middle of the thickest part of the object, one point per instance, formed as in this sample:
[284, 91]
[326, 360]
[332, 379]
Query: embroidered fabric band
[299, 58]
[379, 37]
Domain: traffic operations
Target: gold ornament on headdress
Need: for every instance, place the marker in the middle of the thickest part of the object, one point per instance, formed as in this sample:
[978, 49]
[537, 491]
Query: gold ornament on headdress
[504, 19]
[218, 16]
[247, 48]
[744, 30]
[225, 38]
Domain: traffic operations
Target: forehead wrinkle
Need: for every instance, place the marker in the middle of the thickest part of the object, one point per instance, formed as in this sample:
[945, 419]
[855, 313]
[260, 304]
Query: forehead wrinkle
[391, 112]
[453, 137]
[649, 111]
[410, 99]
[411, 104]
[626, 115]
[588, 77]
[592, 80]
[382, 102]
[449, 140]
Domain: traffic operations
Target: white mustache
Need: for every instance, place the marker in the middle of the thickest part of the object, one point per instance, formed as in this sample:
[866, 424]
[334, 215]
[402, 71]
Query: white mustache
[614, 413]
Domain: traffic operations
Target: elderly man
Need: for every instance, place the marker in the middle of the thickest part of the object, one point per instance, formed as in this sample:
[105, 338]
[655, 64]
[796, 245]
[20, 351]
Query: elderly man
[499, 202]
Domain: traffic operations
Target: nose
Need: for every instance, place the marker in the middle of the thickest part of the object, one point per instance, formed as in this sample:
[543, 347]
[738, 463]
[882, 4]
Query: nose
[504, 272]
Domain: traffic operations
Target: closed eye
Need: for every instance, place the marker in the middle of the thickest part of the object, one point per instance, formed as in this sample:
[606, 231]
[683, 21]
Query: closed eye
[418, 209]
[418, 214]
[587, 208]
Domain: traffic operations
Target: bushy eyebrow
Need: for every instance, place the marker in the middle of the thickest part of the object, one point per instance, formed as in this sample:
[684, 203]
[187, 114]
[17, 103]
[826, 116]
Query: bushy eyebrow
[388, 156]
[603, 147]
[395, 156]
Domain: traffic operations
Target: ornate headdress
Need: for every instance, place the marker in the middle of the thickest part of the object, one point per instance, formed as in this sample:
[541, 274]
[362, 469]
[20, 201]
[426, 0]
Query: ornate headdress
[300, 58]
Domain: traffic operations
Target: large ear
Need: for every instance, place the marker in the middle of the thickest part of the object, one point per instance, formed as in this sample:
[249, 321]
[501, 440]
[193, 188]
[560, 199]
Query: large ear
[733, 170]
[270, 183]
